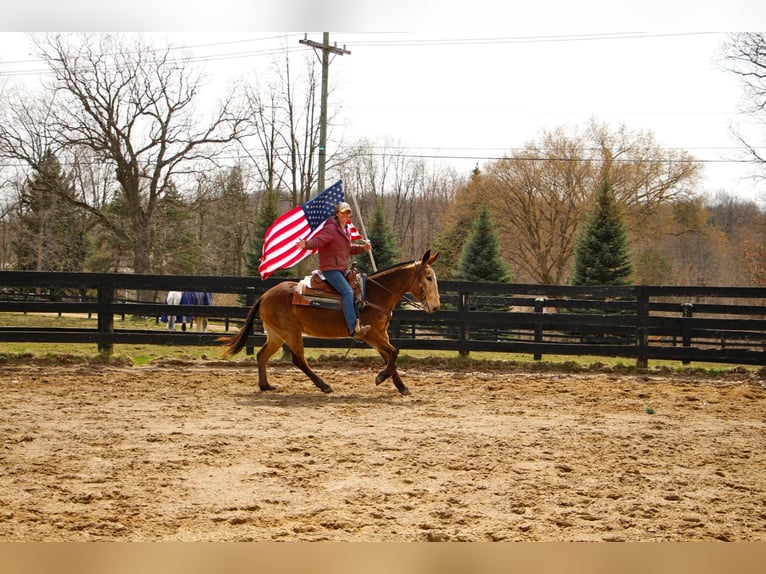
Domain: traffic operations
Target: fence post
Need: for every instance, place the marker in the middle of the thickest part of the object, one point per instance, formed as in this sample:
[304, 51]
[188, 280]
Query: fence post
[687, 310]
[464, 330]
[539, 307]
[642, 337]
[250, 301]
[105, 319]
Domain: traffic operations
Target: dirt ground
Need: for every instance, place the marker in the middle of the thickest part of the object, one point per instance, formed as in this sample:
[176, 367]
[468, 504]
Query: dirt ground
[194, 452]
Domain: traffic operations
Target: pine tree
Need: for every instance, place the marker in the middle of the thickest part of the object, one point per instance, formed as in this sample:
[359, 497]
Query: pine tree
[449, 244]
[601, 256]
[175, 247]
[457, 226]
[480, 258]
[384, 247]
[266, 216]
[52, 235]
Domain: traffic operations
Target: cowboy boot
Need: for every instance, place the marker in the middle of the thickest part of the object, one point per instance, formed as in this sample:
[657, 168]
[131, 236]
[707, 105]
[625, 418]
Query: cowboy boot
[360, 330]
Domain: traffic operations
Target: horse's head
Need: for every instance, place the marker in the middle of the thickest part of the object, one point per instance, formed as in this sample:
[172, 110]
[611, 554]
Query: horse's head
[424, 286]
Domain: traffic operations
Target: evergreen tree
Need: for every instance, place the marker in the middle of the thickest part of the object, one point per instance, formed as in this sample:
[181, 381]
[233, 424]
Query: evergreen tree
[110, 245]
[266, 216]
[384, 247]
[449, 244]
[480, 258]
[457, 226]
[52, 234]
[233, 206]
[176, 248]
[601, 255]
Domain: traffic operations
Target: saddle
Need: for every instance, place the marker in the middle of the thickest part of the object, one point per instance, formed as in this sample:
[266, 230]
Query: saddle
[314, 290]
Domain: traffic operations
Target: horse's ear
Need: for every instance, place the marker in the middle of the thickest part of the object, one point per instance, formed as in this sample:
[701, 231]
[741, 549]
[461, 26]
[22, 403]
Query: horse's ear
[428, 258]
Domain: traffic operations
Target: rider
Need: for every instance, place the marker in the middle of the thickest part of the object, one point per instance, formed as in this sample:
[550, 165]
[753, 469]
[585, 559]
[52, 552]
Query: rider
[334, 245]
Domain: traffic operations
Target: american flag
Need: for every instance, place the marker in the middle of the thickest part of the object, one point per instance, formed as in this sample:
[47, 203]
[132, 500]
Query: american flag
[302, 222]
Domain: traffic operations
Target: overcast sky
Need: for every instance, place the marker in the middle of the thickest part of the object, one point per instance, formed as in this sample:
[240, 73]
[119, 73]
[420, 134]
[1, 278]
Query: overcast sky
[466, 95]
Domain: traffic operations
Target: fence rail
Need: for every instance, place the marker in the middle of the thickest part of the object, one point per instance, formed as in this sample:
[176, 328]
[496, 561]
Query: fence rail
[707, 324]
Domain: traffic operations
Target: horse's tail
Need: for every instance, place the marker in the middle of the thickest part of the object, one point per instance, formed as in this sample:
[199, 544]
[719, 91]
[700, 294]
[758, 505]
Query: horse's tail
[234, 344]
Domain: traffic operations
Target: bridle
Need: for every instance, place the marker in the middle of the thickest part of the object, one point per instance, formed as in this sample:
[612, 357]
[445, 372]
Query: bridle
[420, 305]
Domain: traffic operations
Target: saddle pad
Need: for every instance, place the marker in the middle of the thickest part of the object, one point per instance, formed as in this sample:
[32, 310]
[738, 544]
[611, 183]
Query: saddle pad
[309, 301]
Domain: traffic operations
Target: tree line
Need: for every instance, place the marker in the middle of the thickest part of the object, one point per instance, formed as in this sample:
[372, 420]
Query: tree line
[110, 165]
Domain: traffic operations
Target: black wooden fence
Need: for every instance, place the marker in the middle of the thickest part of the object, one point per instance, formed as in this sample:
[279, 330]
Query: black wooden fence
[708, 324]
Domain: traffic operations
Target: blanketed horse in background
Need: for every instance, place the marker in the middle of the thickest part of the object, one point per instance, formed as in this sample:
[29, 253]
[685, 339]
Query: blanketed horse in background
[187, 298]
[285, 322]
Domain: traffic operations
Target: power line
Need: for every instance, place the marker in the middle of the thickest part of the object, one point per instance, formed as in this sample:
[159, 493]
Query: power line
[528, 39]
[255, 53]
[477, 157]
[369, 43]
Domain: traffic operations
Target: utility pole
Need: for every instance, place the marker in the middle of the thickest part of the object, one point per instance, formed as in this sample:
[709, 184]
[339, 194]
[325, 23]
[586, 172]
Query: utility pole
[326, 51]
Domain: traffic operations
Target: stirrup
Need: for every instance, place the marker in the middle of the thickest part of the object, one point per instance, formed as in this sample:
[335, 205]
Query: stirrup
[360, 330]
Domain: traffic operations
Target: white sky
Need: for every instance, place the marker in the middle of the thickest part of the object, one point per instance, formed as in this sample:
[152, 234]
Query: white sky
[483, 77]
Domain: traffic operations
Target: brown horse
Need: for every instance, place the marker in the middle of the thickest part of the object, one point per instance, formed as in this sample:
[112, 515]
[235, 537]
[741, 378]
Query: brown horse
[286, 323]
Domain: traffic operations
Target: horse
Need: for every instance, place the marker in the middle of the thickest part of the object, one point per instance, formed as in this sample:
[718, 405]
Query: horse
[197, 298]
[187, 298]
[284, 322]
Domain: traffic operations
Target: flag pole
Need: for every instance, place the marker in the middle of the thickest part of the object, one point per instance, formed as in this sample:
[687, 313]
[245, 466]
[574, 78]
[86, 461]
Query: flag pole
[361, 226]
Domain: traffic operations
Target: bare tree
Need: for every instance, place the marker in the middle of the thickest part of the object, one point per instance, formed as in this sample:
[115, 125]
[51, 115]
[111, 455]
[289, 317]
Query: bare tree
[542, 194]
[301, 136]
[745, 56]
[227, 229]
[643, 174]
[131, 106]
[270, 128]
[541, 197]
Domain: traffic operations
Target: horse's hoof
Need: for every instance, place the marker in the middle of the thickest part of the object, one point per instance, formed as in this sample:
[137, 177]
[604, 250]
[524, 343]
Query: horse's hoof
[268, 388]
[327, 389]
[404, 390]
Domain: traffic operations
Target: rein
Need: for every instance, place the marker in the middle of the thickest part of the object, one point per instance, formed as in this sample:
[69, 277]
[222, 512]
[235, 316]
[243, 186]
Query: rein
[412, 301]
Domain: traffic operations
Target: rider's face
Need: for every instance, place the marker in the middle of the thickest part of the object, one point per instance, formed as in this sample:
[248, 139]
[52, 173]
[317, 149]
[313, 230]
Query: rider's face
[343, 217]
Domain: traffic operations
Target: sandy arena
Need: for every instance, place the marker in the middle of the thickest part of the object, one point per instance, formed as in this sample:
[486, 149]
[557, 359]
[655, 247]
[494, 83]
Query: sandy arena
[194, 452]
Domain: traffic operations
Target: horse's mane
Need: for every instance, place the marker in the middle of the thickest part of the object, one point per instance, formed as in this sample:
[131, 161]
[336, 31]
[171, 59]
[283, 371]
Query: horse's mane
[388, 270]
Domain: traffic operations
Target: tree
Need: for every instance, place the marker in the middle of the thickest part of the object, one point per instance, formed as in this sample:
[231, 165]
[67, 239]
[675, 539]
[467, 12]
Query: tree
[745, 56]
[540, 195]
[301, 133]
[456, 226]
[266, 216]
[52, 236]
[384, 247]
[480, 258]
[175, 249]
[131, 106]
[270, 134]
[601, 256]
[755, 261]
[379, 174]
[232, 217]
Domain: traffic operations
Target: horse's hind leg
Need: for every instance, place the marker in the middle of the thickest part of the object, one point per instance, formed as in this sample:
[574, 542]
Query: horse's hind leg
[264, 354]
[299, 360]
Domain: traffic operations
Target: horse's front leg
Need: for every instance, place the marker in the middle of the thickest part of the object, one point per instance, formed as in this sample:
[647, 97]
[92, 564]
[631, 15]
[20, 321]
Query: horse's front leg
[389, 354]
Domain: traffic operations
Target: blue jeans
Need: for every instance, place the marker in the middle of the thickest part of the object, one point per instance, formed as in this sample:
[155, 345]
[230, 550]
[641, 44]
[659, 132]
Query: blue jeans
[338, 281]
